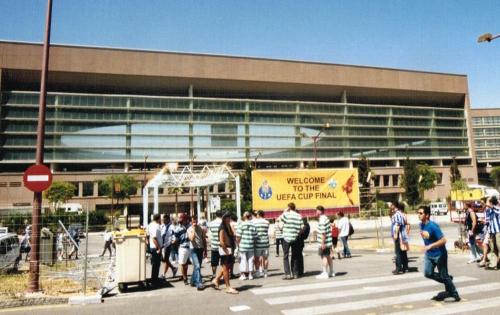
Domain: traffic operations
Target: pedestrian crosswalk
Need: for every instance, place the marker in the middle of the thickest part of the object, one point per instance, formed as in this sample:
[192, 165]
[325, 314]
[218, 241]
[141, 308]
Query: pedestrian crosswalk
[379, 294]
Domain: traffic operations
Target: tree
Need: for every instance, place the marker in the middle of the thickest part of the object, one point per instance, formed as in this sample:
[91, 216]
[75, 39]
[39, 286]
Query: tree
[176, 191]
[118, 187]
[495, 175]
[454, 171]
[60, 192]
[409, 181]
[363, 173]
[246, 183]
[428, 178]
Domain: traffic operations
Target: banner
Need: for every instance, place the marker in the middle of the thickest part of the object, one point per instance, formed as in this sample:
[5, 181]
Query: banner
[332, 188]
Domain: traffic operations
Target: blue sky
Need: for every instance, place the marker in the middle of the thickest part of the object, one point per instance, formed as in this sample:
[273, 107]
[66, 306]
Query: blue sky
[425, 35]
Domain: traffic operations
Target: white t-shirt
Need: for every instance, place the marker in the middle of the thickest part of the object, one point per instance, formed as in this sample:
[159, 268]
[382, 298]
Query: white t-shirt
[343, 226]
[154, 231]
[108, 236]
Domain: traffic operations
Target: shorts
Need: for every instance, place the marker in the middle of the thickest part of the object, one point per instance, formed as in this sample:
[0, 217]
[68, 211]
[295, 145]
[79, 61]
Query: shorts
[262, 252]
[184, 254]
[215, 258]
[335, 240]
[324, 252]
[166, 253]
[226, 260]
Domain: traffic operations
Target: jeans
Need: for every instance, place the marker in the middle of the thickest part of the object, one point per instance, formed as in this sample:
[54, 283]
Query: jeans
[155, 264]
[300, 258]
[495, 253]
[347, 252]
[278, 242]
[475, 251]
[442, 276]
[196, 258]
[294, 248]
[401, 257]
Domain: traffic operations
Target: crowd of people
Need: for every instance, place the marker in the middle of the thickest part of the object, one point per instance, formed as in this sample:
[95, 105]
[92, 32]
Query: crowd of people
[183, 241]
[482, 223]
[247, 241]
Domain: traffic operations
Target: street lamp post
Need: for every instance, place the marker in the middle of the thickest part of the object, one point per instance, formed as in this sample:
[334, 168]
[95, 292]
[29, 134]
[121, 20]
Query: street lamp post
[191, 205]
[255, 160]
[315, 142]
[488, 37]
[144, 171]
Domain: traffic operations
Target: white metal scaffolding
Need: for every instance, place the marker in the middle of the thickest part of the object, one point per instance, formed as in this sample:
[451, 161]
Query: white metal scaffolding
[209, 175]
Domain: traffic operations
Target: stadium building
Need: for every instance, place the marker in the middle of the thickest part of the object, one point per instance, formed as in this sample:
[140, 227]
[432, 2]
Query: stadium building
[130, 111]
[486, 135]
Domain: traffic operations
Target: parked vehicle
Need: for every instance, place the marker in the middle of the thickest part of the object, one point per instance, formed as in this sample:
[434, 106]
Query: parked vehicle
[71, 208]
[9, 251]
[439, 208]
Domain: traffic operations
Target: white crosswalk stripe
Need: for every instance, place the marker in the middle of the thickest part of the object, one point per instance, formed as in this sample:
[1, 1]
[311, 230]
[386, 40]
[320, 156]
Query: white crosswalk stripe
[331, 284]
[329, 297]
[462, 307]
[352, 306]
[358, 291]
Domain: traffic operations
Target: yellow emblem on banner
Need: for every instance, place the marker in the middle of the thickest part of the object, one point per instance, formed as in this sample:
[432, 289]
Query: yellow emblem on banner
[307, 188]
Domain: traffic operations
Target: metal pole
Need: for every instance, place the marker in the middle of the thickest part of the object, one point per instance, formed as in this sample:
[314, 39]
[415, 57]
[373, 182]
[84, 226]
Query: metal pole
[34, 277]
[86, 251]
[315, 140]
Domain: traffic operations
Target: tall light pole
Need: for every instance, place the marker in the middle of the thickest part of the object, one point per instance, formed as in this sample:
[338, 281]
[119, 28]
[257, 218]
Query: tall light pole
[488, 37]
[256, 158]
[144, 171]
[34, 272]
[315, 142]
[191, 205]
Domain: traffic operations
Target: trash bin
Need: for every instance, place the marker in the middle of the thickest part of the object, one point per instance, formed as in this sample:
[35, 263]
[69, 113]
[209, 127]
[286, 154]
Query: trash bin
[47, 247]
[130, 258]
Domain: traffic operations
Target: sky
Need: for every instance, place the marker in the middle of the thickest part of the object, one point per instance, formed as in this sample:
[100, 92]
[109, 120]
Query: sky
[424, 35]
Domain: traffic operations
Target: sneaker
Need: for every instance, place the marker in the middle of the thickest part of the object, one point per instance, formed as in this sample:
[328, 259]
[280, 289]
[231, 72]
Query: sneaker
[287, 277]
[473, 260]
[201, 287]
[331, 275]
[186, 282]
[452, 298]
[397, 272]
[242, 277]
[265, 274]
[440, 296]
[257, 274]
[250, 277]
[322, 276]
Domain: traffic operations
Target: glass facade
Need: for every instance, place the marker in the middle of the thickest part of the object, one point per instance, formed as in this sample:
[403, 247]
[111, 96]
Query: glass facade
[85, 127]
[486, 137]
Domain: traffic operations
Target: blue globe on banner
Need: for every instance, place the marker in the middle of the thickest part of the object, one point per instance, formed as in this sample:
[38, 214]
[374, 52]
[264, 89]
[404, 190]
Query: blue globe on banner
[265, 191]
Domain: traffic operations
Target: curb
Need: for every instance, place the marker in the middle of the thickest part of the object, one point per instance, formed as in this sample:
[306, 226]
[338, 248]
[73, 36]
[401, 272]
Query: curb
[23, 302]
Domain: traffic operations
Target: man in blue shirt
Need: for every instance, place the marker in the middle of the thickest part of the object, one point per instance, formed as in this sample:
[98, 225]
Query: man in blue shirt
[436, 255]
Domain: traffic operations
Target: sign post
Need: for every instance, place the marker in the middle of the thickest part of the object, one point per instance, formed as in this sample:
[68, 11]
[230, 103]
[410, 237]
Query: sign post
[34, 276]
[37, 178]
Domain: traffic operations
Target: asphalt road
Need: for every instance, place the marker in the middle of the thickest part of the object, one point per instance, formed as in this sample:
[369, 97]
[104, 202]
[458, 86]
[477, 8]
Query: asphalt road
[363, 285]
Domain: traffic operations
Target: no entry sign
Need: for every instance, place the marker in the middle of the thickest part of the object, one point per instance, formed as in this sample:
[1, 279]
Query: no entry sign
[37, 178]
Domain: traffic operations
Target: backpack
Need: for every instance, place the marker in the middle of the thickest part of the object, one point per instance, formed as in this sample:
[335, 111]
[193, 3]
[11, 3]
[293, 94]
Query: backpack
[351, 229]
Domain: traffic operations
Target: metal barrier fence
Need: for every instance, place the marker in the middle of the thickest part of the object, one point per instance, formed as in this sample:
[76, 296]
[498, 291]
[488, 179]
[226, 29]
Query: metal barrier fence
[72, 259]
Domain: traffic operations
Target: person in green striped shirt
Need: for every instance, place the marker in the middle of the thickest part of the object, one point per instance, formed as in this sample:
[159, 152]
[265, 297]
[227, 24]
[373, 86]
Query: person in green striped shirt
[246, 234]
[292, 226]
[262, 245]
[325, 243]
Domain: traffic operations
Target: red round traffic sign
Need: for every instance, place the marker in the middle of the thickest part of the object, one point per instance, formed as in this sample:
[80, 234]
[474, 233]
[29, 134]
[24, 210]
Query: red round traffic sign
[37, 178]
